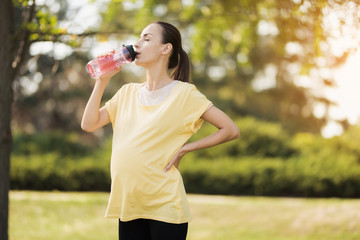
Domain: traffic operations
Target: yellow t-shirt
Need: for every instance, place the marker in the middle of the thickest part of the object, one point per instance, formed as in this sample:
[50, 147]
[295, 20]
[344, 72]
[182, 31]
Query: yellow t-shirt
[144, 140]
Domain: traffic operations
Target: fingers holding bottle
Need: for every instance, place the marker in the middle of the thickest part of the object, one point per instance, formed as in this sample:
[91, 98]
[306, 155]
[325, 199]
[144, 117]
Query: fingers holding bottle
[105, 77]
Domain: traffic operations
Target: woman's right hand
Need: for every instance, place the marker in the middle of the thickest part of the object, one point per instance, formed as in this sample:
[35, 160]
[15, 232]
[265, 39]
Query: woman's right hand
[104, 78]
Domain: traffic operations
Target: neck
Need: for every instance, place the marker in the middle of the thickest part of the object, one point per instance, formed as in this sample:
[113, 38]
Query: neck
[157, 78]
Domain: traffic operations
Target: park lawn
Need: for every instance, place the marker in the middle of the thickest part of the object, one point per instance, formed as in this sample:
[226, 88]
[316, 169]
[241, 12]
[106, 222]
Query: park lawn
[79, 216]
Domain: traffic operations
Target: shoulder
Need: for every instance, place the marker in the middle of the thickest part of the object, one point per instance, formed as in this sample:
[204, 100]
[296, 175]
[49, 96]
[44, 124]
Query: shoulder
[189, 88]
[186, 87]
[190, 93]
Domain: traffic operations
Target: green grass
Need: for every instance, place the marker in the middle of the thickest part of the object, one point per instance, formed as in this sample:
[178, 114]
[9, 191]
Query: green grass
[78, 216]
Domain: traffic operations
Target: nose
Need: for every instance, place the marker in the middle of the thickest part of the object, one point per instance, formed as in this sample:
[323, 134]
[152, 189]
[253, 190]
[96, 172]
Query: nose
[137, 45]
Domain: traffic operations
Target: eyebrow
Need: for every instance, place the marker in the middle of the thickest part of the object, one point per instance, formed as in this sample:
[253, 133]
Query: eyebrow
[146, 34]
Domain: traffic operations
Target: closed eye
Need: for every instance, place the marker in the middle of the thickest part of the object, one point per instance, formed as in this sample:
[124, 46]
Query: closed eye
[146, 36]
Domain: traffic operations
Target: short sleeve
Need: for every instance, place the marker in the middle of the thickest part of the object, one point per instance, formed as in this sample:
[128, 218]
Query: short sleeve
[112, 105]
[196, 105]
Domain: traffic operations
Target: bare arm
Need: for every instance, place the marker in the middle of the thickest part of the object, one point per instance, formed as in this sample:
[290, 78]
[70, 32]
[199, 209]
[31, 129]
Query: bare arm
[94, 117]
[227, 130]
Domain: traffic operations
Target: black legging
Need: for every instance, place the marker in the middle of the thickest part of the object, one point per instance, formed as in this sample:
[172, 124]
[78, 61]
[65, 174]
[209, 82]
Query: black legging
[146, 229]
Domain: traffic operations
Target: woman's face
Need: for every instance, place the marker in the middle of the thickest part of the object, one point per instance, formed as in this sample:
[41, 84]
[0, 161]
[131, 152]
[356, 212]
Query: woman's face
[149, 47]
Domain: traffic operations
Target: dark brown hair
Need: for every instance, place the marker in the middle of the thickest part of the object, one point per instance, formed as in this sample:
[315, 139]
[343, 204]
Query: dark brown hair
[178, 58]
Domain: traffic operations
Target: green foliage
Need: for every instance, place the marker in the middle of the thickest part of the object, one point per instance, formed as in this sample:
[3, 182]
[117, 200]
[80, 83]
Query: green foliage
[312, 177]
[54, 160]
[38, 23]
[314, 166]
[309, 145]
[306, 165]
[319, 176]
[44, 27]
[50, 171]
[49, 142]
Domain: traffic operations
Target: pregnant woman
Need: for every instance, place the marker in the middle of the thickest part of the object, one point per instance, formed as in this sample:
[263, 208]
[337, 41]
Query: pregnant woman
[152, 123]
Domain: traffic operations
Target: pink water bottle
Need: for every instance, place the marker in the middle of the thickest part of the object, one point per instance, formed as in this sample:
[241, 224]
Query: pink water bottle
[111, 61]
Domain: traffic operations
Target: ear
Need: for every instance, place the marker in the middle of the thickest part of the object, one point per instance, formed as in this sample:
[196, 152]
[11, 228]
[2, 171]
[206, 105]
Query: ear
[167, 49]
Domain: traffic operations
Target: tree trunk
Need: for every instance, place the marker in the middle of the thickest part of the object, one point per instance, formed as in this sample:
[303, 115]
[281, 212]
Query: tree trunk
[6, 99]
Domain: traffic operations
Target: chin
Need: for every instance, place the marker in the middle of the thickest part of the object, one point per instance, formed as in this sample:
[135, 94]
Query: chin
[137, 62]
[140, 63]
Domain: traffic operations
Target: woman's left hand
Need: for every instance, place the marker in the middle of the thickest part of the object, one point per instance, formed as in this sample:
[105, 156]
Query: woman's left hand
[176, 159]
[227, 130]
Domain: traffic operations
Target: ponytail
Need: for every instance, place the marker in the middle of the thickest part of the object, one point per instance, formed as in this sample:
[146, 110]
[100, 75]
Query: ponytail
[182, 70]
[178, 58]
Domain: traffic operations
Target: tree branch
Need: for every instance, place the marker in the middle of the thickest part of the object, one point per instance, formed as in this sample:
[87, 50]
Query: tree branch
[24, 42]
[58, 37]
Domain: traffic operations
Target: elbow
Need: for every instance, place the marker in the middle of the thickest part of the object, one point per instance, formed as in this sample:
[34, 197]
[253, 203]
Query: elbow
[235, 133]
[231, 132]
[86, 128]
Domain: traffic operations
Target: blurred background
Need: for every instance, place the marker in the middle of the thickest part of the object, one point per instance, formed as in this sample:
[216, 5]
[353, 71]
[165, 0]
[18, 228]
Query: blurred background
[286, 71]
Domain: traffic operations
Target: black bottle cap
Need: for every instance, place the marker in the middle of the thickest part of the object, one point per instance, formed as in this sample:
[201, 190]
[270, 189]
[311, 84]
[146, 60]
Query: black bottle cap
[131, 51]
